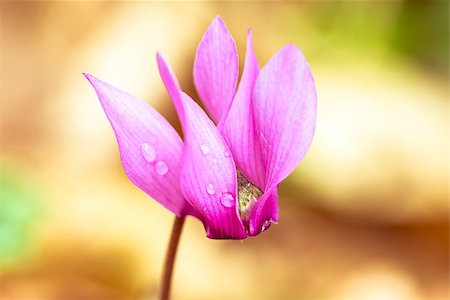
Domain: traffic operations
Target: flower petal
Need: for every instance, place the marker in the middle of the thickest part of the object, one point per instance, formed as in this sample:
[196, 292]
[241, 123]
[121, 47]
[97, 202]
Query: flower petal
[284, 106]
[264, 212]
[237, 126]
[208, 172]
[216, 69]
[150, 149]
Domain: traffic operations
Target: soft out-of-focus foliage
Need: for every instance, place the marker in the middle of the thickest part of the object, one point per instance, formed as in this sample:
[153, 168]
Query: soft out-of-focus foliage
[365, 216]
[421, 34]
[19, 216]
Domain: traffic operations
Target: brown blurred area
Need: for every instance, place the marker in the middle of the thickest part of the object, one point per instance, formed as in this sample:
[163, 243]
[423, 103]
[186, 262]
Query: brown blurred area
[365, 216]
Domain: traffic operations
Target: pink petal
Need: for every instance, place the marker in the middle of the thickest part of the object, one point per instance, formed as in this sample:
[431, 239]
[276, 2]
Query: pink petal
[237, 125]
[208, 173]
[216, 69]
[284, 106]
[150, 149]
[264, 212]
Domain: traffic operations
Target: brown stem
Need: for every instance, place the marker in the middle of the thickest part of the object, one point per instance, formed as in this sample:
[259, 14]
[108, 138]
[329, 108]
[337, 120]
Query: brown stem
[170, 258]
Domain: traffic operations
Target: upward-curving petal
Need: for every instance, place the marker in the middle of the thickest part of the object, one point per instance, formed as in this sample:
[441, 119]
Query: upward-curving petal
[265, 212]
[216, 69]
[237, 126]
[284, 107]
[150, 149]
[208, 172]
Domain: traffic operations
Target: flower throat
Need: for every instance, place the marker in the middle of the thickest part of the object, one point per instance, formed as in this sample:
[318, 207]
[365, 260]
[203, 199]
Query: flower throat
[248, 195]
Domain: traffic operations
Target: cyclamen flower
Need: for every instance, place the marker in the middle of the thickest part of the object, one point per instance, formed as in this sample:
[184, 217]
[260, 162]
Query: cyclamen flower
[227, 175]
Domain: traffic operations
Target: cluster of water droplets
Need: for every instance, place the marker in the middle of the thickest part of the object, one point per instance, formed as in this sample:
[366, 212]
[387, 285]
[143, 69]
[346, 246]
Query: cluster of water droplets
[149, 154]
[226, 199]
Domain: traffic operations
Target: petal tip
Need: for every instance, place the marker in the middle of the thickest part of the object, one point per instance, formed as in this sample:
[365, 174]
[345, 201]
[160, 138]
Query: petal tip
[218, 20]
[161, 61]
[217, 25]
[94, 81]
[88, 76]
[167, 75]
[159, 56]
[293, 50]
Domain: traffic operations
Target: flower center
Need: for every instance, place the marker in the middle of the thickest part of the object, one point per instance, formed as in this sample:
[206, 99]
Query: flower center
[248, 195]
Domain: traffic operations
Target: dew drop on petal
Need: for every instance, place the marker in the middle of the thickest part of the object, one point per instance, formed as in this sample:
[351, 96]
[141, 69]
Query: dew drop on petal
[227, 200]
[204, 149]
[210, 189]
[161, 168]
[148, 153]
[252, 227]
[265, 225]
[227, 154]
[263, 139]
[215, 161]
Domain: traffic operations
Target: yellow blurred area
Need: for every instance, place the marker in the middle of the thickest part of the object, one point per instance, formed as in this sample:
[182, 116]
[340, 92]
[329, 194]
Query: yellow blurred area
[365, 216]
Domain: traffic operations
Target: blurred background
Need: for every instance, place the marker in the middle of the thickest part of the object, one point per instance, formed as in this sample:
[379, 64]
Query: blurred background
[365, 216]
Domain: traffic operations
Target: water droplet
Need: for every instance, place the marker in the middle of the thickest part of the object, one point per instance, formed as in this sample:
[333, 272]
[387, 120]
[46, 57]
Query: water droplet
[265, 225]
[252, 228]
[263, 138]
[227, 200]
[215, 161]
[161, 168]
[204, 149]
[210, 189]
[227, 154]
[148, 152]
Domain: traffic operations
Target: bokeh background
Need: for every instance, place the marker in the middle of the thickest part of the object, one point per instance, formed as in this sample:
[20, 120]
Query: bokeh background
[365, 216]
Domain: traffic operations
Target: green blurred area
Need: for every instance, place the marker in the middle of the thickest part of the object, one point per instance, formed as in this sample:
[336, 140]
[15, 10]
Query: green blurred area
[421, 34]
[413, 30]
[19, 215]
[365, 216]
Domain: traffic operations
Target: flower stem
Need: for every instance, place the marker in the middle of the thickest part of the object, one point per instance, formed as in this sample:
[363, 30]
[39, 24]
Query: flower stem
[170, 257]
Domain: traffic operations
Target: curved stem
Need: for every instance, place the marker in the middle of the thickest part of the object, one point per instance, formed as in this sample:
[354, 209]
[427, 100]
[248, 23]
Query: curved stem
[170, 258]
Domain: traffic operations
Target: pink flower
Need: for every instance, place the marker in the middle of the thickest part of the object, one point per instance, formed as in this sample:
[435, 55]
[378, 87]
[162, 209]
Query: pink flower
[227, 175]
